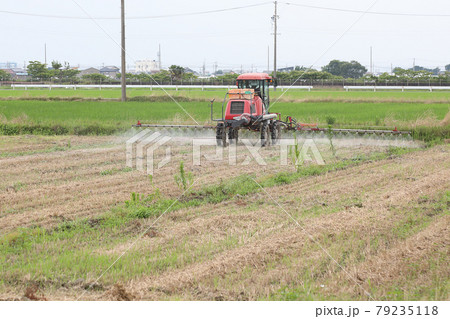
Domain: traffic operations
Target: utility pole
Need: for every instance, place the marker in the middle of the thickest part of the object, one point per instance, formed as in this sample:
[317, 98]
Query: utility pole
[123, 75]
[159, 57]
[371, 63]
[274, 18]
[414, 64]
[45, 53]
[268, 57]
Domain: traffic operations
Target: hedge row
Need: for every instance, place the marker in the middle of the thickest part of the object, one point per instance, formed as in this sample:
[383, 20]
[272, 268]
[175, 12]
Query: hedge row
[36, 129]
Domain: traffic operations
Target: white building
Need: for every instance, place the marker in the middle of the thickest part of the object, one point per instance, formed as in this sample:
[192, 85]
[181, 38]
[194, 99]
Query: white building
[147, 66]
[8, 65]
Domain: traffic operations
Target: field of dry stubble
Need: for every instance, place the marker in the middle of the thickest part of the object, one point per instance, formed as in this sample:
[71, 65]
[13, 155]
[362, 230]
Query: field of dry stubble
[372, 222]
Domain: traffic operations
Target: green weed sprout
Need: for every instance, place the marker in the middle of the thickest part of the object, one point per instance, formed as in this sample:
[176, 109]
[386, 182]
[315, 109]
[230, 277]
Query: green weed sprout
[183, 179]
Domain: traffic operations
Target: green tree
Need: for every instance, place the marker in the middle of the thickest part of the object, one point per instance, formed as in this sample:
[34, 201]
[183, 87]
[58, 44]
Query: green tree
[304, 74]
[143, 77]
[38, 70]
[64, 74]
[352, 69]
[370, 77]
[55, 72]
[447, 68]
[300, 68]
[317, 75]
[162, 76]
[95, 78]
[387, 77]
[282, 75]
[56, 65]
[68, 74]
[4, 76]
[188, 76]
[434, 71]
[410, 74]
[176, 72]
[228, 77]
[128, 76]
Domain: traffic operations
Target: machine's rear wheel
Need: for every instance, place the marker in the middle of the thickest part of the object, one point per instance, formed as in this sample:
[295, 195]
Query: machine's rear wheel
[276, 133]
[265, 134]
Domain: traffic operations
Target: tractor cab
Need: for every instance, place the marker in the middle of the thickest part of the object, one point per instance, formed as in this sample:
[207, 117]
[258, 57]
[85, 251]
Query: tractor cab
[251, 98]
[259, 82]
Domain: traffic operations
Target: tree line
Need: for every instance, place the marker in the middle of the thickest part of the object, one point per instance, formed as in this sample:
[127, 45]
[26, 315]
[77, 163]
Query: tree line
[334, 70]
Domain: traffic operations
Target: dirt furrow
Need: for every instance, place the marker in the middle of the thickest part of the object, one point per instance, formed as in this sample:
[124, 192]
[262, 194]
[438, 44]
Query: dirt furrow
[410, 259]
[73, 190]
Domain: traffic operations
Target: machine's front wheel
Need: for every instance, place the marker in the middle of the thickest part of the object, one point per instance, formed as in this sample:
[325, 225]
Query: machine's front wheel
[221, 135]
[265, 134]
[220, 128]
[233, 135]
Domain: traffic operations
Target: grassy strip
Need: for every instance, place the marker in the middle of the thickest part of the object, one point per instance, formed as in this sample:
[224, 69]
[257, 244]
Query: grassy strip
[49, 130]
[43, 151]
[187, 98]
[212, 92]
[431, 134]
[139, 98]
[61, 148]
[113, 171]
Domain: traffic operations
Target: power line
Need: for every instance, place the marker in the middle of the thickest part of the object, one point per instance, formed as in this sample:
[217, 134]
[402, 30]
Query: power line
[328, 49]
[136, 18]
[123, 66]
[138, 35]
[223, 10]
[370, 12]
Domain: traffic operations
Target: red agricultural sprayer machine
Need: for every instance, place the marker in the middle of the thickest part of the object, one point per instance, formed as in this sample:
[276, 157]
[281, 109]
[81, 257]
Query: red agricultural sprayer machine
[247, 108]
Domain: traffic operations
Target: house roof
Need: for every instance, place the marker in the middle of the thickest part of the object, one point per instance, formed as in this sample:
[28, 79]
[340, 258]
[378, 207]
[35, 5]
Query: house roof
[9, 71]
[109, 69]
[91, 68]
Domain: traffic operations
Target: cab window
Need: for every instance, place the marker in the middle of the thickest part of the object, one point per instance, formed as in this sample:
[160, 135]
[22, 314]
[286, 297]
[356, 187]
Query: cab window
[249, 84]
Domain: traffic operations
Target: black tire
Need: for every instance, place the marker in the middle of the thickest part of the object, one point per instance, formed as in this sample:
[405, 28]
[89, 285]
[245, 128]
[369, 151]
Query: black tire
[224, 137]
[233, 135]
[220, 133]
[276, 132]
[265, 134]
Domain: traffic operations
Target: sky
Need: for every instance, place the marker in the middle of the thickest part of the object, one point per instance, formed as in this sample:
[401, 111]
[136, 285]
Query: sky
[404, 32]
